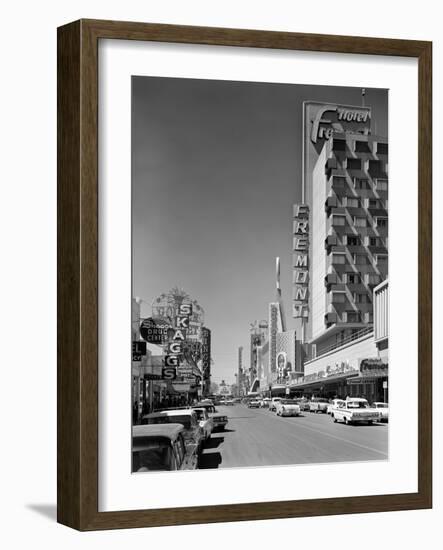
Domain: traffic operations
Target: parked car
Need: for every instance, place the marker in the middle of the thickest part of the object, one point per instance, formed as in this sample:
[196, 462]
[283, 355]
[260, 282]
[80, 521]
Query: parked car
[230, 402]
[355, 410]
[219, 420]
[192, 433]
[264, 403]
[273, 403]
[287, 407]
[253, 404]
[332, 404]
[161, 447]
[205, 421]
[383, 409]
[303, 403]
[318, 404]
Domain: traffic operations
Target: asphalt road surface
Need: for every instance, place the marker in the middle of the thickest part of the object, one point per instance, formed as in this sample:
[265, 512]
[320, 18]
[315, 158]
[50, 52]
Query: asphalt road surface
[258, 437]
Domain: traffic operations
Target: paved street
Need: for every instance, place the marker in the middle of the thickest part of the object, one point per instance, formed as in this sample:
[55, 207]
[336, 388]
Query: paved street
[257, 437]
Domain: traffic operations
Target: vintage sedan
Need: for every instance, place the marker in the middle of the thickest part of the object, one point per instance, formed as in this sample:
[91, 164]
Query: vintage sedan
[355, 410]
[219, 420]
[334, 403]
[161, 448]
[383, 409]
[205, 421]
[192, 433]
[287, 407]
[273, 403]
[253, 404]
[318, 404]
[303, 403]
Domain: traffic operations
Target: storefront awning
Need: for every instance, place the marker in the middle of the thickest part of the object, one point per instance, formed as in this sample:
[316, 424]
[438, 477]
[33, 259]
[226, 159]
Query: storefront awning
[323, 381]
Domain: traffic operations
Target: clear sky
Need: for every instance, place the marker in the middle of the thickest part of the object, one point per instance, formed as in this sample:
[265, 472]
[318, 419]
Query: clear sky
[216, 170]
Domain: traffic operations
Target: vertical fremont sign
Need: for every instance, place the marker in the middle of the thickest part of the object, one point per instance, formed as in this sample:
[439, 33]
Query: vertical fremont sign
[300, 261]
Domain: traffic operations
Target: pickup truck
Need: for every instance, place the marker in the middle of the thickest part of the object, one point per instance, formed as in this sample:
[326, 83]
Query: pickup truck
[354, 410]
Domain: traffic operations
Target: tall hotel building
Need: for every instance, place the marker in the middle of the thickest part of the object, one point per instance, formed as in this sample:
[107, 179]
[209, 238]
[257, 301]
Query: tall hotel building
[346, 199]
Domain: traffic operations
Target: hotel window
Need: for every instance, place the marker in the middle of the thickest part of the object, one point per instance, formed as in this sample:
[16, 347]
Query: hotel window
[382, 259]
[375, 167]
[374, 203]
[372, 278]
[361, 298]
[352, 240]
[381, 184]
[338, 298]
[381, 222]
[359, 222]
[351, 202]
[338, 258]
[360, 259]
[382, 148]
[353, 164]
[362, 147]
[373, 241]
[361, 183]
[338, 220]
[353, 316]
[339, 145]
[338, 182]
[353, 278]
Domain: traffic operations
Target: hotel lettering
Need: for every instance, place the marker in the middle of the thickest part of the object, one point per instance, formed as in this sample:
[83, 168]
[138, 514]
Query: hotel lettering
[300, 261]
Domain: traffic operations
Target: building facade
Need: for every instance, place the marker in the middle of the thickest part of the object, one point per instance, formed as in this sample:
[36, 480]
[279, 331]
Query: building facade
[346, 198]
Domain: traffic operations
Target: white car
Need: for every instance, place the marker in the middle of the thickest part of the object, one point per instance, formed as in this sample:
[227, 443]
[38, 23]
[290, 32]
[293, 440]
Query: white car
[273, 403]
[287, 407]
[355, 411]
[383, 409]
[206, 423]
[318, 404]
[334, 403]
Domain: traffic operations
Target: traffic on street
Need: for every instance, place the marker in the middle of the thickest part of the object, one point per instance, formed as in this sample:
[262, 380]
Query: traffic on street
[243, 434]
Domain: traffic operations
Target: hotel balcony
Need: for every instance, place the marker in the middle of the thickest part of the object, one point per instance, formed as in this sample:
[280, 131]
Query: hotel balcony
[331, 202]
[330, 241]
[331, 164]
[331, 318]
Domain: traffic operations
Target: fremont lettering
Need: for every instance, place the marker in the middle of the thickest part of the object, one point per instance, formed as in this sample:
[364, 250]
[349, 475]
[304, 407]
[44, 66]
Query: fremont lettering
[300, 261]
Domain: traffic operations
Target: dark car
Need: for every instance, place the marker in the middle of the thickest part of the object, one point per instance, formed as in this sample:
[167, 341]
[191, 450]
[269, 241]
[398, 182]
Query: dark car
[161, 447]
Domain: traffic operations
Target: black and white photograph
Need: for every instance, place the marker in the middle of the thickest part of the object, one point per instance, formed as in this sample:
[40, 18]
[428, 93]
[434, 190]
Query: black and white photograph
[260, 291]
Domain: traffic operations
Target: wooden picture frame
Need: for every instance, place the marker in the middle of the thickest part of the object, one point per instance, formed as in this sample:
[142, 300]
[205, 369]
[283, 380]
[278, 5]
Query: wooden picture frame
[77, 456]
